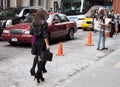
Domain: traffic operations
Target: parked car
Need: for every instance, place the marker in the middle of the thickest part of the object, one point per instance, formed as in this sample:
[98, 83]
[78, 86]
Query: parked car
[13, 16]
[5, 15]
[78, 19]
[58, 26]
[87, 24]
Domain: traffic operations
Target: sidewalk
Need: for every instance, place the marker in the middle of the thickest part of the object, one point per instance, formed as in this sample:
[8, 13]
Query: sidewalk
[104, 73]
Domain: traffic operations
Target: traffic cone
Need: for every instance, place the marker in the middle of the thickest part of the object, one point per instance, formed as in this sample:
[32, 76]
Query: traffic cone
[60, 50]
[89, 43]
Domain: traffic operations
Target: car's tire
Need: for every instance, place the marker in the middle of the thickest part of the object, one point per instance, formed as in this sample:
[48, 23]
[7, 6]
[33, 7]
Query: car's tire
[12, 43]
[84, 29]
[71, 34]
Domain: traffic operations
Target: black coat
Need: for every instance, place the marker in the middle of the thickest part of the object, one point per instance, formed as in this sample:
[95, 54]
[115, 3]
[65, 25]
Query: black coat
[39, 43]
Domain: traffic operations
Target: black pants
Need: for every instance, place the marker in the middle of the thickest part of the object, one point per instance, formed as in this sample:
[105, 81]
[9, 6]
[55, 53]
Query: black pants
[119, 28]
[112, 30]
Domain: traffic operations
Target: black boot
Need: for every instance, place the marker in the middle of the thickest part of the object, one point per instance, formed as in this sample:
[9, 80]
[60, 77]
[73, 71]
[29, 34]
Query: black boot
[43, 66]
[42, 79]
[32, 71]
[39, 75]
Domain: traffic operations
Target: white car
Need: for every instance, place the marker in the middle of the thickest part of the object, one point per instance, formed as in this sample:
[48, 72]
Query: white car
[78, 19]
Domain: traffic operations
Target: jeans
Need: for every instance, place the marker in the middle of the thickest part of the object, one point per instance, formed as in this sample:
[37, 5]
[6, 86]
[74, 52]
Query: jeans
[101, 37]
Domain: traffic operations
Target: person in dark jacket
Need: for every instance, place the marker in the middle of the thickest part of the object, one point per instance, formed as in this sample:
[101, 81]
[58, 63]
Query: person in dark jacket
[39, 29]
[112, 30]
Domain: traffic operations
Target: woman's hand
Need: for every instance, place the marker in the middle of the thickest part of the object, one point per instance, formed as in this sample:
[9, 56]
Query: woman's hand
[48, 47]
[47, 44]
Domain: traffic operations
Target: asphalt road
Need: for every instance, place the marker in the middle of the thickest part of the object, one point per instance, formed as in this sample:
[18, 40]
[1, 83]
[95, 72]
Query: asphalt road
[15, 61]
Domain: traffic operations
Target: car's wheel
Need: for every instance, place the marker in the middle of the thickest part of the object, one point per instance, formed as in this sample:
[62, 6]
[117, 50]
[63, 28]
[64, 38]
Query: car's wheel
[84, 29]
[71, 34]
[12, 43]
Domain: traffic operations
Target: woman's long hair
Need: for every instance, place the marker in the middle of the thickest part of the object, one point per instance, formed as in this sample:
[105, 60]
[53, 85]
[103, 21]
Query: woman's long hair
[40, 16]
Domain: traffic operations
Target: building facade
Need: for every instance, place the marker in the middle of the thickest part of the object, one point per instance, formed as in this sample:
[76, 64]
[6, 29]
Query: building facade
[44, 3]
[22, 3]
[116, 5]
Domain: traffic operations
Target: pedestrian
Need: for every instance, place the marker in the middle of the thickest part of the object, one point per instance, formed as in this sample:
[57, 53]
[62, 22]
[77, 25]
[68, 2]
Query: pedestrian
[96, 24]
[112, 30]
[116, 22]
[51, 10]
[39, 29]
[95, 20]
[119, 23]
[102, 32]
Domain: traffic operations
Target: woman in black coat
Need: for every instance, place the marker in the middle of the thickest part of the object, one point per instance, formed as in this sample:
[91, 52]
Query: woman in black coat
[39, 29]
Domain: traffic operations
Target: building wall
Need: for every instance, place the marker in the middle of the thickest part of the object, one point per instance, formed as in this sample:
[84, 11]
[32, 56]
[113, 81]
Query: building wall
[18, 3]
[44, 3]
[50, 3]
[13, 3]
[116, 5]
[25, 3]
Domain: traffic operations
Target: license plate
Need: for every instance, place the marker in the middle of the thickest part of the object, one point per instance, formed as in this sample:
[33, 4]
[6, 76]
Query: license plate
[14, 39]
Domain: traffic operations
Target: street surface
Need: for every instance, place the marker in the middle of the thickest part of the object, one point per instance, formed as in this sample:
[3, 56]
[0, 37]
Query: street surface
[104, 73]
[16, 61]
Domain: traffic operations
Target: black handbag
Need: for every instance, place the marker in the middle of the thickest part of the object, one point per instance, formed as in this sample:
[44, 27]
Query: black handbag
[46, 55]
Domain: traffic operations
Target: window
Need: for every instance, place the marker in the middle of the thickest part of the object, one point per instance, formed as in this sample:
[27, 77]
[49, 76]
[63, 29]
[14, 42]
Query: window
[63, 18]
[56, 19]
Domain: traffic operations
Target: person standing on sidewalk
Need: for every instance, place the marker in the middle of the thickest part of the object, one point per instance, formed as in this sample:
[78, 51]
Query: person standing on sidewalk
[116, 22]
[119, 24]
[112, 30]
[39, 29]
[102, 31]
[95, 20]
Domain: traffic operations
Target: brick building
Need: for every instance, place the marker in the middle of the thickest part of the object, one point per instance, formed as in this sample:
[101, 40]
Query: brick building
[116, 5]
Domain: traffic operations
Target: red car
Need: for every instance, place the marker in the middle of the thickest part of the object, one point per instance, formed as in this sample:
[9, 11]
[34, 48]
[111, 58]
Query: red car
[58, 26]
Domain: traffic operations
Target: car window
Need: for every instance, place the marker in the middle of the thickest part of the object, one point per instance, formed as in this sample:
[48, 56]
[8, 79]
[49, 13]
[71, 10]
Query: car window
[28, 19]
[56, 19]
[63, 18]
[49, 18]
[26, 11]
[33, 11]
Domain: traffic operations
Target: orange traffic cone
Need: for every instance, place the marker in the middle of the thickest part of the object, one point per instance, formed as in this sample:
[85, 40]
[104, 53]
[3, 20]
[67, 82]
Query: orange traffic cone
[60, 50]
[89, 43]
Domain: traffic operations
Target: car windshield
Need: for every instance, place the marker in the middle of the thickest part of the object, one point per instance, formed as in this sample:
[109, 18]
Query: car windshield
[29, 19]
